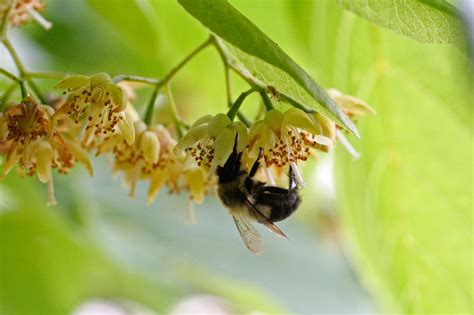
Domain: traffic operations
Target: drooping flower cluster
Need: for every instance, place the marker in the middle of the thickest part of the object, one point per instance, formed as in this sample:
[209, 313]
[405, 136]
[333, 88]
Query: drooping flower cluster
[96, 115]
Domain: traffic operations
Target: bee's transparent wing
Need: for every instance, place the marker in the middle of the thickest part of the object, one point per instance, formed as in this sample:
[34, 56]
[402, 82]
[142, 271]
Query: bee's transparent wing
[264, 220]
[249, 234]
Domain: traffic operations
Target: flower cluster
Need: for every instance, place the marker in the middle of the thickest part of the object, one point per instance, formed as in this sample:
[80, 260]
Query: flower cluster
[96, 115]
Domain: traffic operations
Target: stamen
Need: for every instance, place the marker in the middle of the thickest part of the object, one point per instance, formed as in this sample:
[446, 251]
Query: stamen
[299, 177]
[211, 172]
[51, 197]
[39, 18]
[270, 178]
[82, 132]
[347, 145]
[133, 186]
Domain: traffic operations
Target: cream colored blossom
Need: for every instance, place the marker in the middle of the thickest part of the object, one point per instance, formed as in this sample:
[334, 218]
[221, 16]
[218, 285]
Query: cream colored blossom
[210, 141]
[285, 138]
[36, 145]
[94, 101]
[352, 106]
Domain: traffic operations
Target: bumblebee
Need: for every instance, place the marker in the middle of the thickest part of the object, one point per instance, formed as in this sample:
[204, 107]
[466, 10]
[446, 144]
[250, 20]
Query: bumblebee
[249, 199]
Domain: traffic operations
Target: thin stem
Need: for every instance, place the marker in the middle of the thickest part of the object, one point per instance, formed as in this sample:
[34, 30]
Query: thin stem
[150, 108]
[6, 95]
[24, 91]
[226, 73]
[173, 111]
[183, 62]
[16, 58]
[9, 75]
[158, 84]
[267, 102]
[233, 110]
[37, 92]
[134, 78]
[4, 25]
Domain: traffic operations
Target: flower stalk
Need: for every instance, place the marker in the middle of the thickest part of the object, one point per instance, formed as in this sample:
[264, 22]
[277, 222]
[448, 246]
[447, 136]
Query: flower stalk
[168, 77]
[173, 111]
[234, 109]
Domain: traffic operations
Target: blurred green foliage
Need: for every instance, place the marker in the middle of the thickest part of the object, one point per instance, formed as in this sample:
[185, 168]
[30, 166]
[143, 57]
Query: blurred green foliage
[406, 205]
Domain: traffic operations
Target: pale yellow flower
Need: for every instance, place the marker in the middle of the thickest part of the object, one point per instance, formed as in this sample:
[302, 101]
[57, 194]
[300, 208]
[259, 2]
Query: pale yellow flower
[285, 138]
[94, 101]
[352, 106]
[210, 141]
[36, 145]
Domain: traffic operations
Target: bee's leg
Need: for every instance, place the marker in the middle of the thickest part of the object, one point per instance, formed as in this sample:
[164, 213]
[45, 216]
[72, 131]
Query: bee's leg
[292, 182]
[276, 190]
[256, 165]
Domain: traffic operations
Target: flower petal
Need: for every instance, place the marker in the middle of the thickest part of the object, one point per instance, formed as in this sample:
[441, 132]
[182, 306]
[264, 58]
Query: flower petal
[73, 83]
[217, 124]
[118, 96]
[297, 118]
[190, 138]
[328, 127]
[150, 146]
[350, 104]
[156, 183]
[126, 127]
[242, 135]
[273, 119]
[203, 120]
[223, 147]
[44, 156]
[100, 80]
[196, 181]
[78, 152]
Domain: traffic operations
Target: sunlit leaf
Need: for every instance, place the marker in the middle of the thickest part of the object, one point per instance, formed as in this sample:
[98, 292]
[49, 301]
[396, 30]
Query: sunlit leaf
[427, 21]
[263, 58]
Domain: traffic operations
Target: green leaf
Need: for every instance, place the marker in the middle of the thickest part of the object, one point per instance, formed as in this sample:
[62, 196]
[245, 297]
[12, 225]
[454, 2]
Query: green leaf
[427, 21]
[262, 57]
[407, 202]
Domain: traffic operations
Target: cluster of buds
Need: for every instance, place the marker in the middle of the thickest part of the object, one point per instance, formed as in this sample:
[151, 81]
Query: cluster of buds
[142, 152]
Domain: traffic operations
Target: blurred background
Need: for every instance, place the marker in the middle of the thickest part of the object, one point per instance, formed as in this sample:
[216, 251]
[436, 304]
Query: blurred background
[389, 232]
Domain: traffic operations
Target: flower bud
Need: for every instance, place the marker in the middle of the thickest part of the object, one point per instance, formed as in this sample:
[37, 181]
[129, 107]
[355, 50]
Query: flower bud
[351, 105]
[44, 157]
[73, 83]
[126, 127]
[150, 146]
